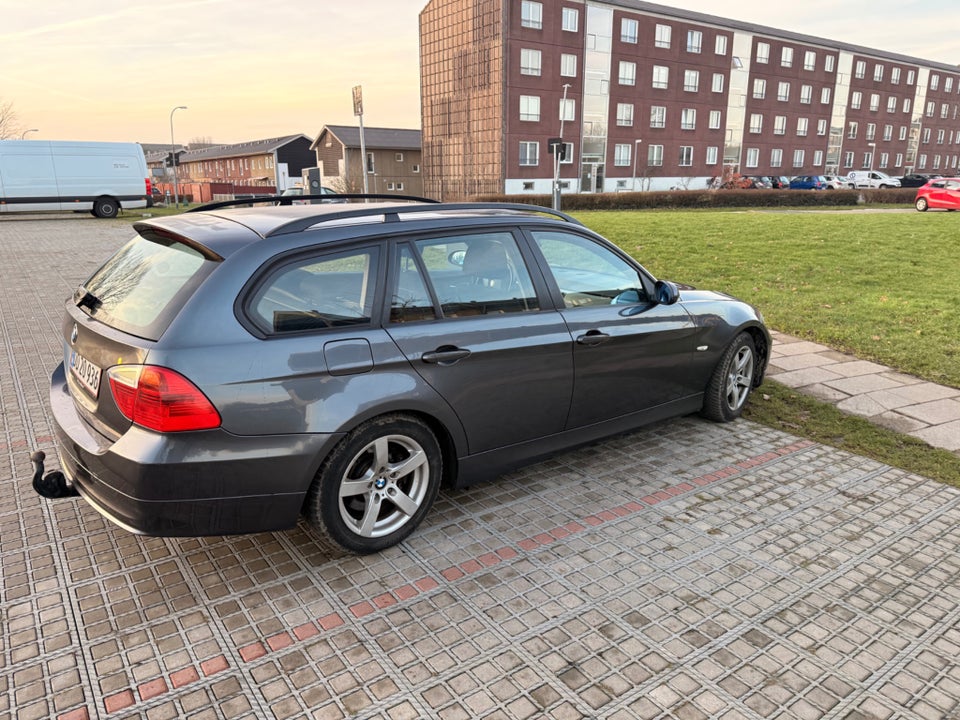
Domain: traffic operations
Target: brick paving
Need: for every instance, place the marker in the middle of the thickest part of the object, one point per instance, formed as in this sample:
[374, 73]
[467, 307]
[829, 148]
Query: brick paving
[689, 570]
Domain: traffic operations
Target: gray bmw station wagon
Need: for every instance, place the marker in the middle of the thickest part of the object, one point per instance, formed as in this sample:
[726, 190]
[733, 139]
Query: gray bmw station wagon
[231, 369]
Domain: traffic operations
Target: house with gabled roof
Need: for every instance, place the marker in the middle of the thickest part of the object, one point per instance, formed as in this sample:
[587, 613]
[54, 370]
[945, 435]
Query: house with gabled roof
[392, 162]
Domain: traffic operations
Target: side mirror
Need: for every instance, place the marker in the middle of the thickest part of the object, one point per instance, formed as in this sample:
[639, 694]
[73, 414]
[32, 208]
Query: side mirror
[666, 292]
[457, 257]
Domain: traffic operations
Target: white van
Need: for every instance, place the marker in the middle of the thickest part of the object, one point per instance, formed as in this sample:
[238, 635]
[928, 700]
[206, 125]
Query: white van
[872, 179]
[99, 177]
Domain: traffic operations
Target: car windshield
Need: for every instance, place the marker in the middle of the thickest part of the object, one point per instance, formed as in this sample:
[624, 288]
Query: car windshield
[140, 288]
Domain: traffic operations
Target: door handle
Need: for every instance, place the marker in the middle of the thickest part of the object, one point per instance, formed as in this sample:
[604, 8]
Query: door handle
[445, 355]
[592, 338]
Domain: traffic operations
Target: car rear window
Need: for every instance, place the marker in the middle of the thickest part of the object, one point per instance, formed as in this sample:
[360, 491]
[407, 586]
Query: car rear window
[142, 287]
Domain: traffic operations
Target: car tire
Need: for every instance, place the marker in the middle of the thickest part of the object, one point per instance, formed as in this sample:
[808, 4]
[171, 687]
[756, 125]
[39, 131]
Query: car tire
[394, 464]
[732, 381]
[106, 208]
[921, 204]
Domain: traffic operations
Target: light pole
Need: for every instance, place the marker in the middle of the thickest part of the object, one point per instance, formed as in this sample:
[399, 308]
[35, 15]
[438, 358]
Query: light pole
[558, 150]
[24, 133]
[873, 147]
[636, 156]
[173, 156]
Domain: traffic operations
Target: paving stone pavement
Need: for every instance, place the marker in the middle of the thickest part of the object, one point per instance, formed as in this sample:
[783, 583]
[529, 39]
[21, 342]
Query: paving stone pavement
[688, 570]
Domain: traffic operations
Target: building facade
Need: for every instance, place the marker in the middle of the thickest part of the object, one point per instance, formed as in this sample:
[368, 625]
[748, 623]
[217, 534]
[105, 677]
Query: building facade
[392, 163]
[645, 96]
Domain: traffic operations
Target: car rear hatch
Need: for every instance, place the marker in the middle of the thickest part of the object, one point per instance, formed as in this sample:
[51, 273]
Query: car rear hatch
[118, 315]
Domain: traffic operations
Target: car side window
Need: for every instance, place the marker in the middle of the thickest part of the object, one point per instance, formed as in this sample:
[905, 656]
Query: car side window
[334, 290]
[478, 274]
[411, 300]
[588, 273]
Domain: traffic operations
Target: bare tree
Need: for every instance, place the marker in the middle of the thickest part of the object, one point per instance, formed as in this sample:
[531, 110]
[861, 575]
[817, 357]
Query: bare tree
[9, 123]
[201, 141]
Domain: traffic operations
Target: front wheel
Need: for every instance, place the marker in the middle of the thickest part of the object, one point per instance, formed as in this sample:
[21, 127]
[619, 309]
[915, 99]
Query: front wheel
[377, 485]
[922, 204]
[732, 381]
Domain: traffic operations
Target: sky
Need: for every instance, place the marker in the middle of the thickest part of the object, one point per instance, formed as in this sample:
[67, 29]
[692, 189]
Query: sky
[249, 70]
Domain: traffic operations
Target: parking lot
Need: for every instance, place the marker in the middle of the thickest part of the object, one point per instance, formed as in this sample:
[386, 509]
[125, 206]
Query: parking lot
[689, 570]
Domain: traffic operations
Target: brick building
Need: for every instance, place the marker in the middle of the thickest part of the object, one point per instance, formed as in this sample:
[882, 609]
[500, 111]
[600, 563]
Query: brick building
[653, 97]
[392, 162]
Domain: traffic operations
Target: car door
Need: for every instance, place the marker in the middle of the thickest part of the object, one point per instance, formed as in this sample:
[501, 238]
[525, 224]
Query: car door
[951, 194]
[467, 314]
[630, 353]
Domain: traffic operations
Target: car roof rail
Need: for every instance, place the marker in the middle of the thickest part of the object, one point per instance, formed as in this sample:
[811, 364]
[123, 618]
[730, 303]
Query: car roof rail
[392, 213]
[290, 199]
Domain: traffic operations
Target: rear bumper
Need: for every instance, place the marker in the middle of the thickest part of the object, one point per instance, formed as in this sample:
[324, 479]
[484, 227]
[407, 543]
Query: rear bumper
[186, 484]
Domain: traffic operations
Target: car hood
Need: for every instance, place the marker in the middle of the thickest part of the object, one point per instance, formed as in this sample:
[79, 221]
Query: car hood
[689, 294]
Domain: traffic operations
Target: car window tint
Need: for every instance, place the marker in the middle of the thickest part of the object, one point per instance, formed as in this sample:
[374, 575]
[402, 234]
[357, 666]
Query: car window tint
[588, 273]
[478, 274]
[410, 300]
[330, 291]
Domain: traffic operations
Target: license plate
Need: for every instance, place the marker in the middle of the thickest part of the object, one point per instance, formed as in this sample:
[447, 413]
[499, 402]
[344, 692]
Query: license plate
[85, 372]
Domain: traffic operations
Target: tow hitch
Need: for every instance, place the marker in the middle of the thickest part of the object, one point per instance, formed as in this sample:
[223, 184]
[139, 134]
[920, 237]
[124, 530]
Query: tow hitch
[53, 485]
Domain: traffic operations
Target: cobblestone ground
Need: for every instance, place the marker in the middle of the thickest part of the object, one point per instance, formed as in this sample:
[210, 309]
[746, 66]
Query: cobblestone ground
[686, 571]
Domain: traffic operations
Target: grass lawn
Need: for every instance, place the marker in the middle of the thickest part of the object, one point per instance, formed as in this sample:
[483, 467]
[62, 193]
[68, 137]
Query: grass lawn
[882, 286]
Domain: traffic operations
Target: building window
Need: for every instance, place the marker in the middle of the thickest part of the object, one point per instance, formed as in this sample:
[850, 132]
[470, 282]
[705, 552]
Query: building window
[899, 160]
[691, 80]
[809, 60]
[922, 161]
[629, 30]
[759, 88]
[798, 158]
[717, 84]
[529, 153]
[756, 123]
[852, 130]
[694, 41]
[848, 159]
[856, 99]
[806, 94]
[530, 108]
[911, 77]
[621, 155]
[662, 39]
[891, 104]
[941, 136]
[925, 138]
[780, 125]
[944, 111]
[903, 132]
[688, 119]
[571, 19]
[753, 157]
[715, 119]
[878, 73]
[895, 75]
[712, 155]
[907, 105]
[934, 81]
[874, 102]
[829, 63]
[720, 46]
[802, 126]
[529, 62]
[568, 65]
[867, 161]
[531, 14]
[888, 132]
[661, 75]
[415, 169]
[931, 108]
[371, 163]
[763, 53]
[686, 156]
[776, 157]
[658, 116]
[825, 96]
[817, 158]
[654, 155]
[567, 154]
[871, 131]
[568, 110]
[783, 92]
[786, 57]
[948, 84]
[625, 114]
[861, 70]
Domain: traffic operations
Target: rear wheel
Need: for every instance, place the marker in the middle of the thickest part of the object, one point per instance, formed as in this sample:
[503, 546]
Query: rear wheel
[106, 208]
[921, 204]
[377, 485]
[732, 381]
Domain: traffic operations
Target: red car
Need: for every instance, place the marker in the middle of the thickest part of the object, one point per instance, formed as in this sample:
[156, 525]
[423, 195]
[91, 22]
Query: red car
[941, 193]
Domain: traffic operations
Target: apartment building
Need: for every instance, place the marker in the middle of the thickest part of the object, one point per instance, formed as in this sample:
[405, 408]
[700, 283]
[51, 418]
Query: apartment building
[645, 96]
[392, 162]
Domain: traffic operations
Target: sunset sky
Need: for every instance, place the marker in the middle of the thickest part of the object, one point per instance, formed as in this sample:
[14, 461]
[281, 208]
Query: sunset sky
[247, 70]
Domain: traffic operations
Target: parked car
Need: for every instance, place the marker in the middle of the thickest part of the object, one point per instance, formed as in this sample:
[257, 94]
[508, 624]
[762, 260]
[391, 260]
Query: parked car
[809, 182]
[872, 179]
[916, 180]
[940, 193]
[345, 360]
[328, 196]
[758, 182]
[779, 182]
[837, 182]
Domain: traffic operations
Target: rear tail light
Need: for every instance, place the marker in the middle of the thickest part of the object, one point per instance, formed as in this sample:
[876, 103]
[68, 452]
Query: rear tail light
[149, 186]
[160, 399]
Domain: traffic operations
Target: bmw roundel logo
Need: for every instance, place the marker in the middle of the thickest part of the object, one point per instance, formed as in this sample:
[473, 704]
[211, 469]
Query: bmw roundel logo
[74, 333]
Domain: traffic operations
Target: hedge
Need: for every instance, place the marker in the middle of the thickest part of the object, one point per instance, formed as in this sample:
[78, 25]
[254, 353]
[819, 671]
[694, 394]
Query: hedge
[712, 199]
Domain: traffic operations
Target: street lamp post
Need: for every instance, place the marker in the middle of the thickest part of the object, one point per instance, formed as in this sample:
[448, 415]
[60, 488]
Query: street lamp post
[558, 150]
[636, 156]
[873, 148]
[24, 133]
[173, 157]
